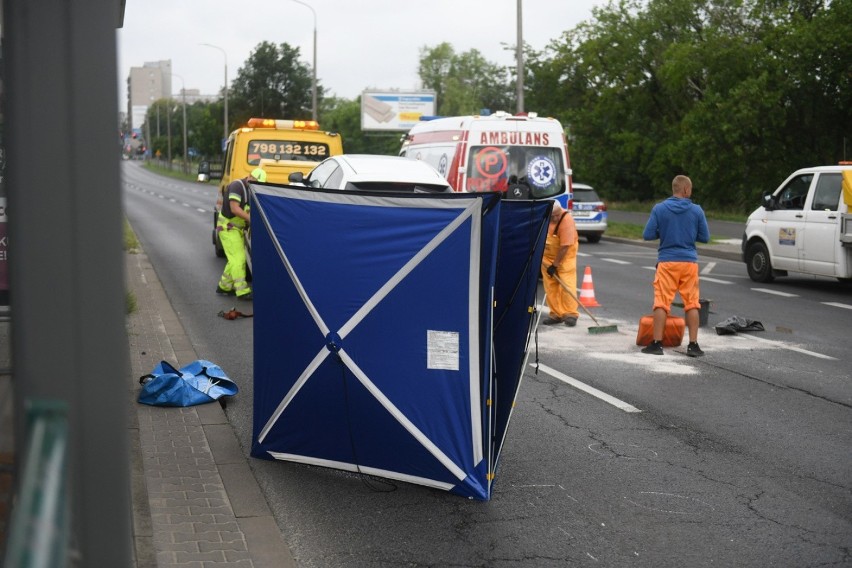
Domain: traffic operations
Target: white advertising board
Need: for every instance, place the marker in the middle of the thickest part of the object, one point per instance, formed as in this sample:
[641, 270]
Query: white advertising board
[395, 110]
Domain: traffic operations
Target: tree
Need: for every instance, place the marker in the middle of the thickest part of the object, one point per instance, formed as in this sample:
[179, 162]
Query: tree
[272, 84]
[464, 83]
[734, 93]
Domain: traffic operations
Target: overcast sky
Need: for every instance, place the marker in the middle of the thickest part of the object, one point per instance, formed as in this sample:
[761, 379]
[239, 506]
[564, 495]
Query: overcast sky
[366, 44]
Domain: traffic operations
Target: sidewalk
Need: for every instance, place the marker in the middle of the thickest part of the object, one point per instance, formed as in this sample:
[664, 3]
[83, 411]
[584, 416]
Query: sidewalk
[195, 500]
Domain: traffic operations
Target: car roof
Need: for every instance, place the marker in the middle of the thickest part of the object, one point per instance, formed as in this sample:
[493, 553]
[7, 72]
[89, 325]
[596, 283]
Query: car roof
[369, 167]
[581, 186]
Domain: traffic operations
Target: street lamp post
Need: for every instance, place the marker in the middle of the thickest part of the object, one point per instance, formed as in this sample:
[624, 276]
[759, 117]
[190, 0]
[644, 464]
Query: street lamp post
[183, 96]
[520, 59]
[314, 81]
[169, 132]
[225, 123]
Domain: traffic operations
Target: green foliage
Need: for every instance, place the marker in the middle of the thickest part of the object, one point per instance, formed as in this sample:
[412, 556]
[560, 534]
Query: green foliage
[272, 84]
[131, 243]
[464, 83]
[734, 93]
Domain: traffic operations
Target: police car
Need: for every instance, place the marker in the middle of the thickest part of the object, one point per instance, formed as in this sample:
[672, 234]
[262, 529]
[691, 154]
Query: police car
[589, 212]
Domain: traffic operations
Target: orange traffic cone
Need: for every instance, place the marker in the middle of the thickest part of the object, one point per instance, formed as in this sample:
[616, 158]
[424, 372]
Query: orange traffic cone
[587, 292]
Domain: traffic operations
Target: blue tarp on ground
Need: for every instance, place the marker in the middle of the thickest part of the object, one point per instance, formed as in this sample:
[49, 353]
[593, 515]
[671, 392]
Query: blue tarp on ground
[390, 331]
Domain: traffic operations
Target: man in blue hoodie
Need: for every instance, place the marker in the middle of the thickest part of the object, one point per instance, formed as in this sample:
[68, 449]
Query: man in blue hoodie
[679, 224]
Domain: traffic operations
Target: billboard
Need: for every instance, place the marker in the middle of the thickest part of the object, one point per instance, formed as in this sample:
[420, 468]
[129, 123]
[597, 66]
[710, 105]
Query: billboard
[395, 110]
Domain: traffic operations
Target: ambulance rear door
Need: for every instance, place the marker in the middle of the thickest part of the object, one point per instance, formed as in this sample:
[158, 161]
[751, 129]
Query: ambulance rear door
[503, 155]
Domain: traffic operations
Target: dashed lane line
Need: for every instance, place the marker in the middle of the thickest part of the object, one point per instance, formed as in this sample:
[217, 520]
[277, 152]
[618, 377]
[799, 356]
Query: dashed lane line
[716, 280]
[620, 404]
[838, 305]
[616, 261]
[775, 292]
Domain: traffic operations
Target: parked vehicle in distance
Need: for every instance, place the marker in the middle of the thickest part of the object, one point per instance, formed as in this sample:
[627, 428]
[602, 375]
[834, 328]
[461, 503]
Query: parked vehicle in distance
[803, 226]
[367, 172]
[589, 212]
[278, 146]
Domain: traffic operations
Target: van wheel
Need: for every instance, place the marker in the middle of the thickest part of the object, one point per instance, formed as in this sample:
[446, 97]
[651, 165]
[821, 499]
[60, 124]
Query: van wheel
[757, 263]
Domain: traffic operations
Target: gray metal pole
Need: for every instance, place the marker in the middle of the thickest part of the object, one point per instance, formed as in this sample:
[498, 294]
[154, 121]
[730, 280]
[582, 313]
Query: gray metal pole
[169, 133]
[314, 83]
[314, 80]
[520, 58]
[69, 340]
[225, 132]
[185, 156]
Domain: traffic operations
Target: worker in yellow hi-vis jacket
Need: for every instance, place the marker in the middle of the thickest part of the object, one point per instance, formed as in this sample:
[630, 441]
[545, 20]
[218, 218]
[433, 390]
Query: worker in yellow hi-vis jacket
[231, 225]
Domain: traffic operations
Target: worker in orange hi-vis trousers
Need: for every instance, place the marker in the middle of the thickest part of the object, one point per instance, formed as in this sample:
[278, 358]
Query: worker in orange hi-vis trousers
[560, 260]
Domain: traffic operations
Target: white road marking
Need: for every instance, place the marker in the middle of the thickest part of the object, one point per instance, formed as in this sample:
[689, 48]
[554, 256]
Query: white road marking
[654, 268]
[775, 292]
[616, 261]
[587, 389]
[583, 254]
[201, 210]
[838, 305]
[716, 280]
[708, 268]
[786, 346]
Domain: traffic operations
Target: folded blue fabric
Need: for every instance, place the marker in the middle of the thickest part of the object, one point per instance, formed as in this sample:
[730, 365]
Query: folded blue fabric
[199, 382]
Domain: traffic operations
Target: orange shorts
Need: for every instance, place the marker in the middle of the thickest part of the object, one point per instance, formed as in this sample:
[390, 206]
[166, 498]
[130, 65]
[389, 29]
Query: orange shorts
[673, 277]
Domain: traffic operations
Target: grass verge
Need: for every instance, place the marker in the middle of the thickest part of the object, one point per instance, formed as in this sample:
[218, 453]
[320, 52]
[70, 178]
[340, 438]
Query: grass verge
[131, 245]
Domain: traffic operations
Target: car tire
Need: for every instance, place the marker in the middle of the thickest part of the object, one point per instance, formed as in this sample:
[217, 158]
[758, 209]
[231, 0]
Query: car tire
[593, 237]
[758, 265]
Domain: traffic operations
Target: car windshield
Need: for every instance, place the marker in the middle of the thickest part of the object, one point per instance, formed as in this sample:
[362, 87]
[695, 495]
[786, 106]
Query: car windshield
[496, 168]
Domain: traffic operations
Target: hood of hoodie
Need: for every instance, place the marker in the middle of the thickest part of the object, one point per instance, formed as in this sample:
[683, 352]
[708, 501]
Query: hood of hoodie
[677, 205]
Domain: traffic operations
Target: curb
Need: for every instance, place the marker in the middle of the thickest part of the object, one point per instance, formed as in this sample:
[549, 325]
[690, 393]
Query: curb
[195, 499]
[725, 252]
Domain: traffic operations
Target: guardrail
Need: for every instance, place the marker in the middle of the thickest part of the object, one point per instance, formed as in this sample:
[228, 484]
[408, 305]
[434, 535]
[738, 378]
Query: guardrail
[38, 535]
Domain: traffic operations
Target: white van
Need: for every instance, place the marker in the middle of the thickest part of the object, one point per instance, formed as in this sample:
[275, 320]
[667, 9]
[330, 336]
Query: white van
[803, 226]
[525, 156]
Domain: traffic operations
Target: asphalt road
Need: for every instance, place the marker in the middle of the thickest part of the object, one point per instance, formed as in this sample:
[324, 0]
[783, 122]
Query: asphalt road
[613, 458]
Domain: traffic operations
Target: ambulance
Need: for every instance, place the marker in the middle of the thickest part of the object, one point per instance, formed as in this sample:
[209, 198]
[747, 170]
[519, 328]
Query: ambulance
[803, 226]
[525, 156]
[280, 147]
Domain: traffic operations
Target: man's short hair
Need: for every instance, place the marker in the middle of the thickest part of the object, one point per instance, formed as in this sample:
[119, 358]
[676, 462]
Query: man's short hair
[680, 184]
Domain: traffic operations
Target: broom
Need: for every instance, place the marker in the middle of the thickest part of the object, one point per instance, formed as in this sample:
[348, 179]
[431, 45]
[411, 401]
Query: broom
[598, 328]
